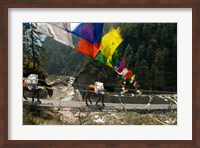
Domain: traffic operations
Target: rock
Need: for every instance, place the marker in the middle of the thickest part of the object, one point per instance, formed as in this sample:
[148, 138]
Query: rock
[150, 116]
[76, 114]
[66, 109]
[99, 120]
[83, 114]
[148, 104]
[55, 109]
[68, 117]
[167, 121]
[96, 116]
[113, 114]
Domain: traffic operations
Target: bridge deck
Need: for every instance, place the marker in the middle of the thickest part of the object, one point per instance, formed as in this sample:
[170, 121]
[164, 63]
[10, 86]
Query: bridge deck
[78, 104]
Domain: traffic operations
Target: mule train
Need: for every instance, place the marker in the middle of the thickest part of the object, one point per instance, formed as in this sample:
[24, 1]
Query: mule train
[35, 85]
[94, 90]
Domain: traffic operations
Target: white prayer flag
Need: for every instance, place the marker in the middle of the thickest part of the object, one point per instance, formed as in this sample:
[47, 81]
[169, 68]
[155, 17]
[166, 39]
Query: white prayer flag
[57, 31]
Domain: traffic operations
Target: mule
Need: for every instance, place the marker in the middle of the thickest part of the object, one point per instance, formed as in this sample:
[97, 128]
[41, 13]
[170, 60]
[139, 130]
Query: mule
[41, 84]
[90, 91]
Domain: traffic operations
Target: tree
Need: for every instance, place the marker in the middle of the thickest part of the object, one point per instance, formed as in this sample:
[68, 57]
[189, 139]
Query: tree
[33, 53]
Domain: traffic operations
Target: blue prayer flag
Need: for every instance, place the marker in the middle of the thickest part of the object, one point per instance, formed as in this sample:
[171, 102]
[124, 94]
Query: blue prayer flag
[91, 32]
[27, 25]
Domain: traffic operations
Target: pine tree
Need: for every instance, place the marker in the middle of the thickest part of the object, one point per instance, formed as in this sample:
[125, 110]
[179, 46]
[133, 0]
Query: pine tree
[33, 53]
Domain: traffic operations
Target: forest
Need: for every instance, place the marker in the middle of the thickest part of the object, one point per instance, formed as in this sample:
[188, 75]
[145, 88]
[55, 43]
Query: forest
[149, 49]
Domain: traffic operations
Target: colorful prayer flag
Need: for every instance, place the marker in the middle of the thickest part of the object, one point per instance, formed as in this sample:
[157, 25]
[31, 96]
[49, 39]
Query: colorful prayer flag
[124, 82]
[101, 58]
[27, 25]
[92, 32]
[113, 61]
[110, 42]
[120, 65]
[132, 79]
[124, 72]
[87, 48]
[136, 84]
[129, 74]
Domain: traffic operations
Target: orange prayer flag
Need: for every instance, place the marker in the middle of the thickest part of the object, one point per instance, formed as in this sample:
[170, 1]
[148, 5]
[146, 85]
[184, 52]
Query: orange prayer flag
[88, 48]
[129, 74]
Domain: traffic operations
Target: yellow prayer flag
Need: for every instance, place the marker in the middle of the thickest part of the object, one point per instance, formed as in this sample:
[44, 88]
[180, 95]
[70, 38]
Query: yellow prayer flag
[110, 42]
[109, 64]
[132, 79]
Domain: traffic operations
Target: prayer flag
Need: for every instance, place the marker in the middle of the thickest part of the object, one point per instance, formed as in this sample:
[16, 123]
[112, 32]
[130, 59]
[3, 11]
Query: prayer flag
[92, 32]
[56, 32]
[87, 48]
[113, 61]
[120, 65]
[109, 62]
[101, 58]
[110, 42]
[132, 79]
[129, 74]
[124, 72]
[27, 25]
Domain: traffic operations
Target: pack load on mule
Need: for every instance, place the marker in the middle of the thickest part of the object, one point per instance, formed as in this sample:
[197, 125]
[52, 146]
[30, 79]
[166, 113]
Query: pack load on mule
[99, 88]
[31, 81]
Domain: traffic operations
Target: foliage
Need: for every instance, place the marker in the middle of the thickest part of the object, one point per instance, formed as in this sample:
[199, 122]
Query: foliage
[154, 48]
[62, 60]
[33, 53]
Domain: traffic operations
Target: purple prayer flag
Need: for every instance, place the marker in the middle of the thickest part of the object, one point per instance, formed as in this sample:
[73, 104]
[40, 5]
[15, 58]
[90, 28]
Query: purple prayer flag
[91, 32]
